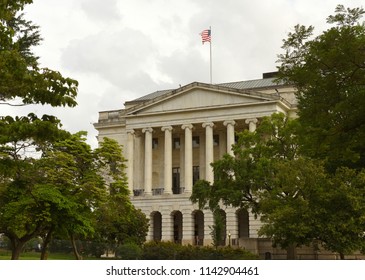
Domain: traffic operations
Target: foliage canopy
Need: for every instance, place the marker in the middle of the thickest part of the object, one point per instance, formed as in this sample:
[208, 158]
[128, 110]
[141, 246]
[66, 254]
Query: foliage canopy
[329, 74]
[51, 181]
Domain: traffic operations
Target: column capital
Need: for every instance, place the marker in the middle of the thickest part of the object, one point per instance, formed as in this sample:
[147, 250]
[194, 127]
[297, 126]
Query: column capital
[147, 129]
[130, 131]
[252, 120]
[208, 124]
[229, 122]
[166, 128]
[188, 125]
[251, 124]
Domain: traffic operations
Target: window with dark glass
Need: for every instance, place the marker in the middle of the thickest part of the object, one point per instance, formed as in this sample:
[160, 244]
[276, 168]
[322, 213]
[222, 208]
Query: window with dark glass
[176, 180]
[216, 140]
[176, 143]
[154, 143]
[196, 141]
[195, 174]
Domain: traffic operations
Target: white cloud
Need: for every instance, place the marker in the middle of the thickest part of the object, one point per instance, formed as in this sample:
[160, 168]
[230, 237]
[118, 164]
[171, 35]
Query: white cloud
[122, 49]
[104, 12]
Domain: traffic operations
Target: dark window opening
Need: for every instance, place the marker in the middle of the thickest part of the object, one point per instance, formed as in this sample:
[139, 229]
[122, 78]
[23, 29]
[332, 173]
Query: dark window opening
[196, 175]
[196, 141]
[176, 180]
[216, 140]
[176, 143]
[154, 143]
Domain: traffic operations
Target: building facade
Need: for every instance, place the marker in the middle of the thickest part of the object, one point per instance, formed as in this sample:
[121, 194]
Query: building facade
[170, 138]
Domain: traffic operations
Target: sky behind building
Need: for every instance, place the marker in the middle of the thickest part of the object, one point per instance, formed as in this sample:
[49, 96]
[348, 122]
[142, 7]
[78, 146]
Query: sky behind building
[120, 50]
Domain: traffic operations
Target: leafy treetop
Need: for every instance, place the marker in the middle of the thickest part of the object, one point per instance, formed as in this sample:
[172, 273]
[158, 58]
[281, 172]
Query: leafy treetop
[329, 74]
[22, 80]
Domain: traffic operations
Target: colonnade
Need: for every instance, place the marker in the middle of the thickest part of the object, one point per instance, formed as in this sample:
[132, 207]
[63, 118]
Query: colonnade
[188, 153]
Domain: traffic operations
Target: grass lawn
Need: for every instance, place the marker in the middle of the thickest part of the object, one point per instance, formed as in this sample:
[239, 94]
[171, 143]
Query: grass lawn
[6, 255]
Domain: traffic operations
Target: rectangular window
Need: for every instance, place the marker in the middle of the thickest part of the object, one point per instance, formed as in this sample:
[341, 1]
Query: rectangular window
[154, 143]
[216, 140]
[196, 175]
[196, 141]
[176, 143]
[176, 180]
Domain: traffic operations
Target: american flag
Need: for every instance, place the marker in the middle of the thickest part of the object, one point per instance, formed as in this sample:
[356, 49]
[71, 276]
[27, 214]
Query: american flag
[205, 35]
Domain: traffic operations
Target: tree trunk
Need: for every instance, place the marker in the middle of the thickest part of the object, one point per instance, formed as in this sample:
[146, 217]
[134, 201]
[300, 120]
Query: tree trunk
[15, 252]
[74, 247]
[342, 256]
[16, 248]
[46, 241]
[17, 245]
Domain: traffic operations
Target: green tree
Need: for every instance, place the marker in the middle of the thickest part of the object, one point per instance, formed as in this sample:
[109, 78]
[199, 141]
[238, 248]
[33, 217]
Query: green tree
[74, 188]
[218, 228]
[64, 184]
[118, 221]
[329, 74]
[22, 81]
[317, 207]
[240, 178]
[291, 208]
[72, 192]
[23, 138]
[341, 212]
[243, 179]
[296, 198]
[88, 189]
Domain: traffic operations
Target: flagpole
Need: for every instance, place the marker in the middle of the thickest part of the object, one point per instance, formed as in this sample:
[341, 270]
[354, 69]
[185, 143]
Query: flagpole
[206, 35]
[211, 72]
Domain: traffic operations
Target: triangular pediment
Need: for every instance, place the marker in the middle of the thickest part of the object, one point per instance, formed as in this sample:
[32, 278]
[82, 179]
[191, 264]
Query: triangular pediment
[196, 98]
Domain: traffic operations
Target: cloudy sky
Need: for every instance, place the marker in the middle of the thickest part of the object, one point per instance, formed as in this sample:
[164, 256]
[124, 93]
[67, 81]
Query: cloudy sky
[120, 50]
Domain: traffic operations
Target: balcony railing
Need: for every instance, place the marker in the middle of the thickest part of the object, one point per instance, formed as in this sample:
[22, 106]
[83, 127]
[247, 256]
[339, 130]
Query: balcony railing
[157, 191]
[138, 192]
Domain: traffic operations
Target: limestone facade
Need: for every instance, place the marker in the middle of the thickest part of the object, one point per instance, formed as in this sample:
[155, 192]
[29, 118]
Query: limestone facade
[170, 138]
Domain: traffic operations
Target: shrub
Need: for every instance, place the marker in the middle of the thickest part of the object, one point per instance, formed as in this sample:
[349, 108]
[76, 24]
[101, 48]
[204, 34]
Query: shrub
[172, 251]
[160, 251]
[129, 251]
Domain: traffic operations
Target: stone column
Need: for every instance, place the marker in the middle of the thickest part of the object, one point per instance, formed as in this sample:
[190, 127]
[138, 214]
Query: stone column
[167, 227]
[230, 135]
[231, 225]
[188, 228]
[188, 157]
[130, 159]
[148, 161]
[168, 160]
[209, 154]
[149, 236]
[208, 224]
[251, 124]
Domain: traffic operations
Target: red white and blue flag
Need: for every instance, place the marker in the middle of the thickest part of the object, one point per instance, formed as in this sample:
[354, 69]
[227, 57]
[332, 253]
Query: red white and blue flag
[206, 35]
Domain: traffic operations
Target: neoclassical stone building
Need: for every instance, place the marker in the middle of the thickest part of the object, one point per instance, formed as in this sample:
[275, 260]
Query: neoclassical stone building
[170, 137]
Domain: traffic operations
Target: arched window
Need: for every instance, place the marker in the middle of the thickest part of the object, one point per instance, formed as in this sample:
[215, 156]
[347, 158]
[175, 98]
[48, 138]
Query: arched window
[243, 223]
[198, 227]
[156, 219]
[178, 225]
